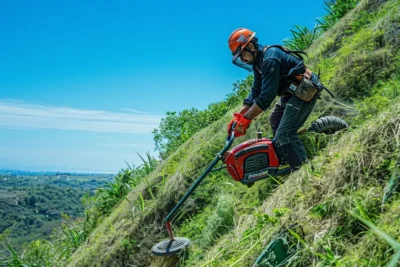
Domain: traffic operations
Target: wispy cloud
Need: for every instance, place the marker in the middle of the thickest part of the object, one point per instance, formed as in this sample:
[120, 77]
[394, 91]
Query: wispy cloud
[133, 111]
[22, 115]
[125, 145]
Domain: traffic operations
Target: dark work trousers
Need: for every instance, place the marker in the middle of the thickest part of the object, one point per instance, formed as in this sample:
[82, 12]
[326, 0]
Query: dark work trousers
[286, 119]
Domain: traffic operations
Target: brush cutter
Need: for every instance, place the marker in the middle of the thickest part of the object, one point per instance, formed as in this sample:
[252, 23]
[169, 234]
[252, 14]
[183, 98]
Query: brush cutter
[248, 162]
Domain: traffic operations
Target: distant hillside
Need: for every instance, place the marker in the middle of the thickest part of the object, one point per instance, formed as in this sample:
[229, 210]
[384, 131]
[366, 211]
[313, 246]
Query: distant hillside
[31, 206]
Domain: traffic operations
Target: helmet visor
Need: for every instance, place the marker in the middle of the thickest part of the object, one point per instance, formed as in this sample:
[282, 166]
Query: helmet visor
[238, 62]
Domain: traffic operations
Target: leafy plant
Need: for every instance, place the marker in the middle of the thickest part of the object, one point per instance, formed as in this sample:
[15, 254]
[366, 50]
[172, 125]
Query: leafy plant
[329, 258]
[40, 253]
[111, 194]
[220, 221]
[336, 10]
[302, 37]
[114, 192]
[11, 257]
[69, 236]
[391, 241]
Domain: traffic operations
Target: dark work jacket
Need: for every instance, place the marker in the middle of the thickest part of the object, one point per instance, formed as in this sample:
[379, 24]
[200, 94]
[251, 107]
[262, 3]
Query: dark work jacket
[269, 69]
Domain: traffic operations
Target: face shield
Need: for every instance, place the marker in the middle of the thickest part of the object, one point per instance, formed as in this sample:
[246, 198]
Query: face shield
[243, 65]
[238, 62]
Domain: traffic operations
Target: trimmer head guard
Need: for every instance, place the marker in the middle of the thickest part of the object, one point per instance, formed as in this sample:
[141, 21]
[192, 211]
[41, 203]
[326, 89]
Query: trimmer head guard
[169, 247]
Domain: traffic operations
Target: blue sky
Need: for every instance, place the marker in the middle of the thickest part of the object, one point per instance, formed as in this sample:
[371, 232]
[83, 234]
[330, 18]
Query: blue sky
[84, 83]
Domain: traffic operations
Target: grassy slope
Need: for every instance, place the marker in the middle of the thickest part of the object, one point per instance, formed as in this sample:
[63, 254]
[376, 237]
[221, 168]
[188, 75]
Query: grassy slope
[230, 224]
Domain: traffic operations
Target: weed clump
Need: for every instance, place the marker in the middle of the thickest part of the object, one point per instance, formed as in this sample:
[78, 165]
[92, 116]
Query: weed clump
[220, 222]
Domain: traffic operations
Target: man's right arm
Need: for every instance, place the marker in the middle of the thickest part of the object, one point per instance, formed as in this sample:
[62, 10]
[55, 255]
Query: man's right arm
[244, 109]
[253, 94]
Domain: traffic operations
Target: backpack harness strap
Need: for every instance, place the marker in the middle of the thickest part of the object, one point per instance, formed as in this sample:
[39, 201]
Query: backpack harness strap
[293, 76]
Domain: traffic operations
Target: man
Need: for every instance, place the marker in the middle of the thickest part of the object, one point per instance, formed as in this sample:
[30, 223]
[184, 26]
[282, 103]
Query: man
[277, 72]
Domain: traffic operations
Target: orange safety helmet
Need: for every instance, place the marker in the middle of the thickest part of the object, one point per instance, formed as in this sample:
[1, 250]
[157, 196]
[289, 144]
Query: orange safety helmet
[238, 41]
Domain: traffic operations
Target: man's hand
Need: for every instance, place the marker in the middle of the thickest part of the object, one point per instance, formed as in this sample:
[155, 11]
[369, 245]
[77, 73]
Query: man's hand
[236, 118]
[241, 124]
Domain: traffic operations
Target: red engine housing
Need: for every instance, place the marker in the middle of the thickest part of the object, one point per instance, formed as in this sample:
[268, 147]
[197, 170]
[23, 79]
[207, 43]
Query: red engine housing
[253, 160]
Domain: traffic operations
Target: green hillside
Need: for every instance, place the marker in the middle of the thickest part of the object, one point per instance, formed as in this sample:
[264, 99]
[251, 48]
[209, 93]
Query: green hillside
[332, 200]
[31, 206]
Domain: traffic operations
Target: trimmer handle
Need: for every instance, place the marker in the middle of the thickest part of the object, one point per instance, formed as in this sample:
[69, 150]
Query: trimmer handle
[232, 133]
[220, 156]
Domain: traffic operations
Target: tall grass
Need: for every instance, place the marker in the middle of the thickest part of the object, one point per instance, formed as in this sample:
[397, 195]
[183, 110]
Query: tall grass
[69, 236]
[390, 240]
[304, 37]
[220, 222]
[114, 192]
[9, 256]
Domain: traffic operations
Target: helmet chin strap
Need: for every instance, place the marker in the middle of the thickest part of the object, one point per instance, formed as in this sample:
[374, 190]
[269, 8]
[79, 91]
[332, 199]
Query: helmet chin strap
[253, 53]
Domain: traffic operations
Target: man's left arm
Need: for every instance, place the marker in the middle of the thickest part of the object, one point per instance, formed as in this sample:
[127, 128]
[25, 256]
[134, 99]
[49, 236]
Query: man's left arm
[270, 83]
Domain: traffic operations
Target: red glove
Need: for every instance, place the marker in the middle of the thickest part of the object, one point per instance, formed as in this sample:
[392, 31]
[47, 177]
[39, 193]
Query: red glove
[235, 118]
[241, 124]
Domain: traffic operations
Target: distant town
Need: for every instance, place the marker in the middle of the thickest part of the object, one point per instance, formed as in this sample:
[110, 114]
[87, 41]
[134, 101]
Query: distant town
[53, 173]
